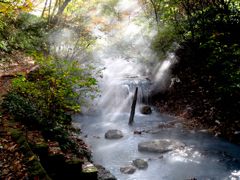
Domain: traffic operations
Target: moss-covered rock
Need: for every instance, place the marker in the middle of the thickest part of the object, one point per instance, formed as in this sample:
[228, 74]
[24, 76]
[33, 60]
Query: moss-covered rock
[89, 171]
[30, 159]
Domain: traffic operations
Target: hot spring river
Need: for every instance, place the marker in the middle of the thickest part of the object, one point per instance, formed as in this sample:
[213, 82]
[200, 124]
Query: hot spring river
[204, 158]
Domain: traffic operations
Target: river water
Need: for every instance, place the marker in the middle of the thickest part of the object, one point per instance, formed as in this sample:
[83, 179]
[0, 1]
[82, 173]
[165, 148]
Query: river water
[205, 157]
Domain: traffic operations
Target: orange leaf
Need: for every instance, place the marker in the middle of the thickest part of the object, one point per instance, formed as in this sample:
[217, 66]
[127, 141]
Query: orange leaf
[17, 167]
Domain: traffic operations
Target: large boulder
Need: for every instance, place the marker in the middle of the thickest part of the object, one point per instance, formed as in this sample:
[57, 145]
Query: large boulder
[128, 170]
[160, 145]
[113, 134]
[140, 164]
[146, 109]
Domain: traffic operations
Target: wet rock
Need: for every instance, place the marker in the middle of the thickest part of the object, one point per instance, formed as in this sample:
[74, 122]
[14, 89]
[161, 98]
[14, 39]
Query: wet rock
[157, 158]
[160, 145]
[153, 131]
[163, 125]
[103, 174]
[171, 124]
[146, 110]
[77, 126]
[160, 157]
[113, 134]
[128, 170]
[137, 132]
[140, 164]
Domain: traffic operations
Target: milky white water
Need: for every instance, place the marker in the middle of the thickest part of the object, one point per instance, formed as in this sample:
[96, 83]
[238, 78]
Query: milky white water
[205, 157]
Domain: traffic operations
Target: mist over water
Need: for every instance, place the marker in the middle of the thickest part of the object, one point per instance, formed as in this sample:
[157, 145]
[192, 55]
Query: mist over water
[124, 53]
[204, 157]
[123, 50]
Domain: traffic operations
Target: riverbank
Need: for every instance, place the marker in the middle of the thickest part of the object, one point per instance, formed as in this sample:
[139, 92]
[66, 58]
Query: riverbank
[191, 98]
[27, 153]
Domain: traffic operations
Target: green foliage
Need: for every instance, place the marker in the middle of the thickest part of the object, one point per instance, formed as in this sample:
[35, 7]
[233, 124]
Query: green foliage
[161, 15]
[223, 63]
[21, 109]
[52, 88]
[43, 97]
[208, 33]
[109, 8]
[213, 28]
[16, 33]
[166, 39]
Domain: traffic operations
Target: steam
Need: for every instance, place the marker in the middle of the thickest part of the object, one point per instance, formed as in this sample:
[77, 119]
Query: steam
[129, 61]
[162, 73]
[123, 49]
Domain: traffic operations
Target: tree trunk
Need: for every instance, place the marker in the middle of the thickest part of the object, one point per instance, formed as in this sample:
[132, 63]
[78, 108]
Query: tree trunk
[49, 11]
[133, 107]
[59, 13]
[44, 8]
[54, 9]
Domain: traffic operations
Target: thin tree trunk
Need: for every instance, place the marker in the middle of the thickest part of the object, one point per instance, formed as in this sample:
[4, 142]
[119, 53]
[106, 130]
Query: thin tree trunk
[44, 8]
[49, 11]
[54, 9]
[133, 107]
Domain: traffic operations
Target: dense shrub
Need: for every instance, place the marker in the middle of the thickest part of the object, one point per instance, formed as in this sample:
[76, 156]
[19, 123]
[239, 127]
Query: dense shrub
[42, 98]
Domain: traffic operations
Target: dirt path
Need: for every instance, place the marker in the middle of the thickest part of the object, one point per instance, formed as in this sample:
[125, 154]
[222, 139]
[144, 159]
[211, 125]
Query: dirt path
[9, 70]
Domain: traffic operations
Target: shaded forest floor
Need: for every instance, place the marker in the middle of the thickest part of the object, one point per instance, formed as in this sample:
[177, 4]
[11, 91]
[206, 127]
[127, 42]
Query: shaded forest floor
[192, 99]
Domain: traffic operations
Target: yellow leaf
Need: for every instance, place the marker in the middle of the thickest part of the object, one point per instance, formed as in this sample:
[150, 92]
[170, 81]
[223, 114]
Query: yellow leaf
[31, 158]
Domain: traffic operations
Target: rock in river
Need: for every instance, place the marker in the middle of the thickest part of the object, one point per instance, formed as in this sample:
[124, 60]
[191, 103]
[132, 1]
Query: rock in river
[146, 109]
[160, 145]
[128, 170]
[103, 174]
[113, 134]
[140, 164]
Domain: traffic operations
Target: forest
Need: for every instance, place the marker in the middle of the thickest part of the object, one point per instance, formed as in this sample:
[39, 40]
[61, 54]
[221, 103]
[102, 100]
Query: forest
[50, 63]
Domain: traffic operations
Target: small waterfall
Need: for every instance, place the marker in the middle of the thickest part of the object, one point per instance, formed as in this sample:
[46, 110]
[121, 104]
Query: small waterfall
[117, 96]
[119, 80]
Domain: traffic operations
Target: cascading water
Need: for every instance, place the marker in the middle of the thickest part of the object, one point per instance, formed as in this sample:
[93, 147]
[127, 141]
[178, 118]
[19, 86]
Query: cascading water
[118, 83]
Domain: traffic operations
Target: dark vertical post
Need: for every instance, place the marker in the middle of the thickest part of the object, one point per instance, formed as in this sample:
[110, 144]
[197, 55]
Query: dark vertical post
[133, 107]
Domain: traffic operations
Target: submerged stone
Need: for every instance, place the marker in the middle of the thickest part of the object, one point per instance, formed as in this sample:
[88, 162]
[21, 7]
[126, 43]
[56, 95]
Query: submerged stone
[160, 145]
[140, 164]
[113, 134]
[128, 170]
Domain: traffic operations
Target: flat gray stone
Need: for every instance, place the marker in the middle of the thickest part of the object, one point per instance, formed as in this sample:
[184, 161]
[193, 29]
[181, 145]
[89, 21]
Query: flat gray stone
[113, 134]
[160, 145]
